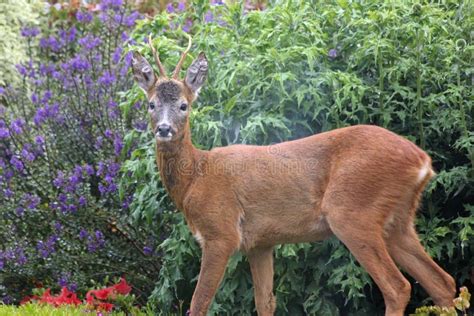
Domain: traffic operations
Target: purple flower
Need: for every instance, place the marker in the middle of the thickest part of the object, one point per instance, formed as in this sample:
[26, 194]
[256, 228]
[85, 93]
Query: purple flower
[118, 145]
[17, 163]
[62, 197]
[20, 211]
[4, 133]
[116, 55]
[17, 126]
[110, 4]
[59, 181]
[74, 180]
[112, 104]
[332, 53]
[34, 201]
[64, 279]
[46, 248]
[102, 189]
[83, 17]
[20, 256]
[89, 42]
[8, 193]
[29, 31]
[99, 142]
[108, 133]
[39, 140]
[170, 8]
[89, 170]
[112, 188]
[114, 168]
[208, 17]
[181, 6]
[96, 241]
[109, 179]
[83, 234]
[21, 69]
[50, 42]
[58, 227]
[124, 37]
[46, 97]
[107, 78]
[72, 208]
[7, 299]
[27, 155]
[147, 250]
[72, 287]
[141, 125]
[82, 201]
[80, 63]
[187, 26]
[100, 168]
[129, 20]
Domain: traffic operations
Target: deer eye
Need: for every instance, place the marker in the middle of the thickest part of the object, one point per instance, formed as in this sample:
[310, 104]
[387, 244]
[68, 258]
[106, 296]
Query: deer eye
[183, 107]
[151, 105]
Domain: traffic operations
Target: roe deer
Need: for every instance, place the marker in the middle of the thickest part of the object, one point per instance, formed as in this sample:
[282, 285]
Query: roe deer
[362, 184]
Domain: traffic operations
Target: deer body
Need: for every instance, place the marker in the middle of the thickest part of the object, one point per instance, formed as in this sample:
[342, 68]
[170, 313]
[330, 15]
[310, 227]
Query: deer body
[361, 184]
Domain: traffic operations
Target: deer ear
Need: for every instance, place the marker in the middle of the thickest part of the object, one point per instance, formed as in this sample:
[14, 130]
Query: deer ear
[143, 72]
[197, 73]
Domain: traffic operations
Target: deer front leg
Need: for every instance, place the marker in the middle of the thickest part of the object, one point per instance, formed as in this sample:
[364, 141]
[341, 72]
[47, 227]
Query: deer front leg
[261, 265]
[215, 255]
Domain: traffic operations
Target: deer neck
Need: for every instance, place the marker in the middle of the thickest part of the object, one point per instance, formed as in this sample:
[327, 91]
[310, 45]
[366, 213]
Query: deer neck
[177, 162]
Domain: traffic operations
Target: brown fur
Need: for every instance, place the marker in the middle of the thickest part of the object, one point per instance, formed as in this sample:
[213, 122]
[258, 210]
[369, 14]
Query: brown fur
[358, 183]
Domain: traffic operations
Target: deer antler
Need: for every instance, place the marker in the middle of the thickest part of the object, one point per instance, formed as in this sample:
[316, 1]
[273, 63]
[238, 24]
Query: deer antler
[183, 56]
[157, 58]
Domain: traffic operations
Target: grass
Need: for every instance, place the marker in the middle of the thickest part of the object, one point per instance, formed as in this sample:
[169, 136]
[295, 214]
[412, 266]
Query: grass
[47, 310]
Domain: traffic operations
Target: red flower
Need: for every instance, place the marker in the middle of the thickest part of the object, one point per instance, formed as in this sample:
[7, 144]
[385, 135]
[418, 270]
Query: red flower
[122, 287]
[102, 294]
[109, 292]
[98, 298]
[65, 298]
[106, 307]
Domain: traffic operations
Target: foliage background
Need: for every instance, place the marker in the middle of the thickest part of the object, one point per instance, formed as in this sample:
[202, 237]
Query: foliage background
[302, 67]
[14, 14]
[294, 69]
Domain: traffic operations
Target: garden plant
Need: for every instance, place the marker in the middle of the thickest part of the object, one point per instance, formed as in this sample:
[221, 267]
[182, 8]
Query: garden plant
[81, 199]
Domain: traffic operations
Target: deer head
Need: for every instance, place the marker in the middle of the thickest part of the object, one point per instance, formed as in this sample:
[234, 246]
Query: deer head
[169, 99]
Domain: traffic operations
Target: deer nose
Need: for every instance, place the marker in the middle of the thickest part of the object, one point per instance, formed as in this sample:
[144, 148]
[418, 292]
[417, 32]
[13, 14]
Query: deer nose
[164, 130]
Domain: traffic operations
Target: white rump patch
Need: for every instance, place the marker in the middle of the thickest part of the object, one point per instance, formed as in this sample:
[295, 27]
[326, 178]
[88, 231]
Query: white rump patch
[424, 172]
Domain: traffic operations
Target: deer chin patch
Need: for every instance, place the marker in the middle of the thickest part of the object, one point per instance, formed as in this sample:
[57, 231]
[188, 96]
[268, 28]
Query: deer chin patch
[166, 138]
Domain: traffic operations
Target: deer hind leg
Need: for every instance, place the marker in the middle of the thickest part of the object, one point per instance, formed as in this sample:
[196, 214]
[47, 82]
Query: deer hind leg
[406, 249]
[261, 266]
[367, 245]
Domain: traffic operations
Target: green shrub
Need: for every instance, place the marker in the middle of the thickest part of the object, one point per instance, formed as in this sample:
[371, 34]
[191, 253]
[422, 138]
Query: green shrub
[303, 67]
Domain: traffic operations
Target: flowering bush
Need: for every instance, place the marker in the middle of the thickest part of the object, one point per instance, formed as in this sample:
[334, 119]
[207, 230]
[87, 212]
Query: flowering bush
[100, 300]
[61, 149]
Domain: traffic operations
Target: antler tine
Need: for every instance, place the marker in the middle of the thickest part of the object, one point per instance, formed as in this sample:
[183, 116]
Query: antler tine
[183, 56]
[157, 58]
